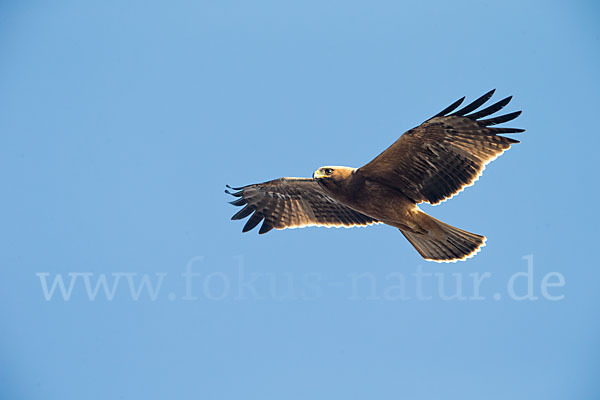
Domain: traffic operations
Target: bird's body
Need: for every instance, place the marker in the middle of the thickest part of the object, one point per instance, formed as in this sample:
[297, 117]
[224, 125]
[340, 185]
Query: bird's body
[430, 163]
[381, 202]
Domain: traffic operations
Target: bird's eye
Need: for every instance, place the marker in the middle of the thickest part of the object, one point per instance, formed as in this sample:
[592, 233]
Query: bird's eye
[328, 171]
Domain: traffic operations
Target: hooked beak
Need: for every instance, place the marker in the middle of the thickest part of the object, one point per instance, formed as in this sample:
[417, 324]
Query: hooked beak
[318, 174]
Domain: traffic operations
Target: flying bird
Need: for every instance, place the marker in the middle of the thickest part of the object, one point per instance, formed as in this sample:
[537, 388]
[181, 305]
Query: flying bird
[430, 163]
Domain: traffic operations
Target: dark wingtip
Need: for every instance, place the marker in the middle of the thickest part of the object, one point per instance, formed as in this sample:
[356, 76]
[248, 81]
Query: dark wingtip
[497, 131]
[450, 108]
[489, 94]
[236, 194]
[243, 213]
[501, 119]
[254, 220]
[239, 202]
[265, 227]
[235, 188]
[475, 104]
[491, 109]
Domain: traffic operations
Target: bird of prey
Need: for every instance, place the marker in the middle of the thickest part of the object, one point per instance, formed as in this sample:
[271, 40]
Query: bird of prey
[430, 163]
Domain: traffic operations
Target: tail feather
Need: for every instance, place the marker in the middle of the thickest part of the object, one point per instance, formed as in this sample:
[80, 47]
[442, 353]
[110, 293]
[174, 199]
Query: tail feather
[443, 242]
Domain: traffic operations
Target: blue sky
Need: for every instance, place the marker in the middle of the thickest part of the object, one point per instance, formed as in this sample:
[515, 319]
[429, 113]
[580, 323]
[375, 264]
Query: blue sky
[121, 122]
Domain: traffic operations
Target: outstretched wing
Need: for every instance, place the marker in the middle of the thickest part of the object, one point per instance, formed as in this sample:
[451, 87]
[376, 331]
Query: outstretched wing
[292, 203]
[444, 154]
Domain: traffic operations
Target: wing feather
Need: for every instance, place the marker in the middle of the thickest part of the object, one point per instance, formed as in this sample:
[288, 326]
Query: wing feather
[293, 203]
[253, 221]
[244, 212]
[446, 153]
[474, 105]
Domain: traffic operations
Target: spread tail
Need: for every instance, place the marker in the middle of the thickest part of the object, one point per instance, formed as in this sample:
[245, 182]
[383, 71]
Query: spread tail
[443, 242]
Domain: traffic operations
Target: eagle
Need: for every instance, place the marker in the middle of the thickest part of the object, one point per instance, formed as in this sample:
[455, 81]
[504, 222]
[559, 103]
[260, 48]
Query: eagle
[430, 163]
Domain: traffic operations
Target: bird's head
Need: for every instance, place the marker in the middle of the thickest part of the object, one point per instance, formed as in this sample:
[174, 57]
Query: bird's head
[332, 174]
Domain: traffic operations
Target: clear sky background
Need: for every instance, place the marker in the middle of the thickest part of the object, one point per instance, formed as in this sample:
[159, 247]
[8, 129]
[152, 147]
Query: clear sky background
[121, 122]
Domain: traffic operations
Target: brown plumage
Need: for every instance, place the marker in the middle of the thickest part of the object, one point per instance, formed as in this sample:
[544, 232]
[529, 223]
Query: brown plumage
[430, 163]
